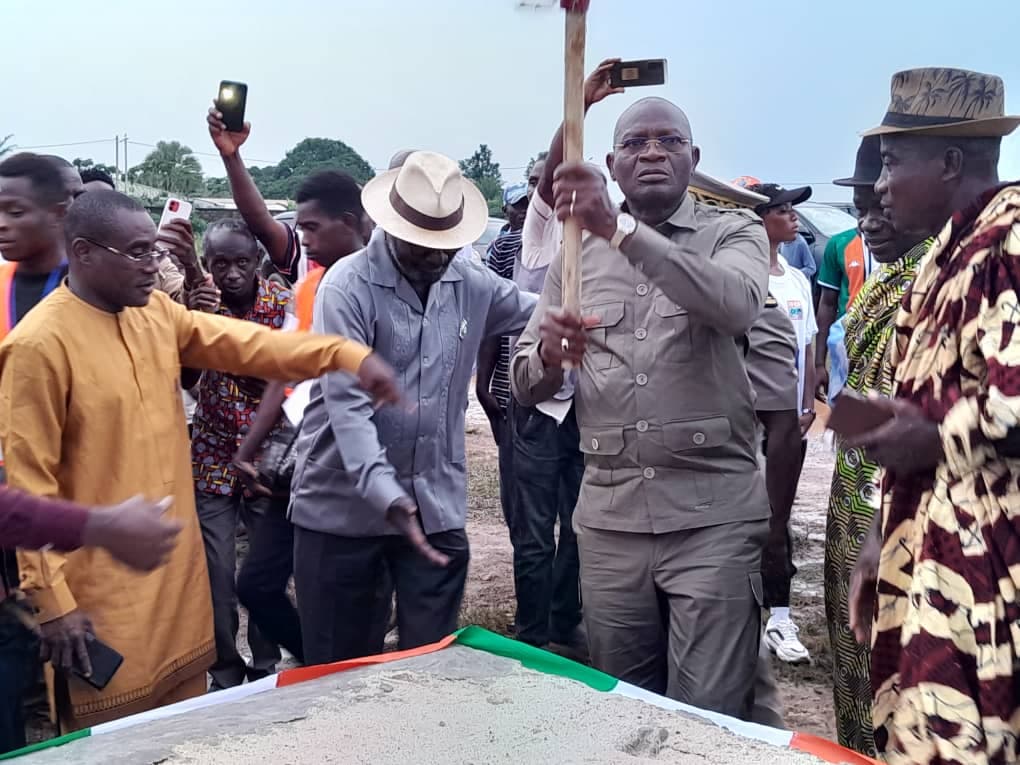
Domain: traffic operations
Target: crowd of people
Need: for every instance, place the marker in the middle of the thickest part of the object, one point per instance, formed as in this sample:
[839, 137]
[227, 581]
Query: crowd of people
[650, 446]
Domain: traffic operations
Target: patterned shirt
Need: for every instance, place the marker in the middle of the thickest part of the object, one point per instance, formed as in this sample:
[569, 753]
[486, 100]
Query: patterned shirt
[946, 647]
[227, 403]
[503, 254]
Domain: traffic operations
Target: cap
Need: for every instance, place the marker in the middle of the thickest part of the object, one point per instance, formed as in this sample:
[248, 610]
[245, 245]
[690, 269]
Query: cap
[778, 196]
[514, 194]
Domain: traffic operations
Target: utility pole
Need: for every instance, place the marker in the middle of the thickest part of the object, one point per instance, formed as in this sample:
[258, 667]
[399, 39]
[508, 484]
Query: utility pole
[116, 162]
[126, 166]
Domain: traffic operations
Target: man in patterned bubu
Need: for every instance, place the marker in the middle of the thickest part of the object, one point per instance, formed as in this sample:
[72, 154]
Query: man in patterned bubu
[946, 564]
[856, 492]
[226, 409]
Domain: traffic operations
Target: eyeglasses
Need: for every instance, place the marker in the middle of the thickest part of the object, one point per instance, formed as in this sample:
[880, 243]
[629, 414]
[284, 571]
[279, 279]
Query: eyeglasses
[154, 254]
[673, 144]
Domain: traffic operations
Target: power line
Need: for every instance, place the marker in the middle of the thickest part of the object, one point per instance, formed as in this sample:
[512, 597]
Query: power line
[61, 145]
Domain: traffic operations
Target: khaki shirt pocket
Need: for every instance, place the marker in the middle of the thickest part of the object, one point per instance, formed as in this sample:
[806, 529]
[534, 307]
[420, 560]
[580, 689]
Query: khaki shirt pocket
[673, 332]
[603, 334]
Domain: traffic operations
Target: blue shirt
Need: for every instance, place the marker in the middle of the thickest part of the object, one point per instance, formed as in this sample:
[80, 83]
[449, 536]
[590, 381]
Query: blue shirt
[798, 254]
[354, 462]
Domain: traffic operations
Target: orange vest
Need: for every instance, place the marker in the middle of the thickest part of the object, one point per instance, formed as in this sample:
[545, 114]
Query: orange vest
[304, 298]
[6, 285]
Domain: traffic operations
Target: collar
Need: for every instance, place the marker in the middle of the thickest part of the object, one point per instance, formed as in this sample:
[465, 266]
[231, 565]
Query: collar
[384, 272]
[682, 218]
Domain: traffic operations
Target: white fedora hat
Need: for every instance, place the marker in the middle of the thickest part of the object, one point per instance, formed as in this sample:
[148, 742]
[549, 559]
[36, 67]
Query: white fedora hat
[428, 202]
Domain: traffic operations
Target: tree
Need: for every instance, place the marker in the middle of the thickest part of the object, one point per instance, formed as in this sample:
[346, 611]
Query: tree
[6, 145]
[84, 164]
[310, 156]
[217, 187]
[481, 169]
[171, 167]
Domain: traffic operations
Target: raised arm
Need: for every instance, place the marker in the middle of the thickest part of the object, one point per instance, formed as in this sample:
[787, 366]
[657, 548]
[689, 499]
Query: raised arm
[725, 289]
[596, 88]
[275, 236]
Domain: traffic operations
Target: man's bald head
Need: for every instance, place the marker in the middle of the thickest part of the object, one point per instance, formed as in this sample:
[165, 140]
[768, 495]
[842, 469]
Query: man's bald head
[653, 158]
[398, 159]
[653, 109]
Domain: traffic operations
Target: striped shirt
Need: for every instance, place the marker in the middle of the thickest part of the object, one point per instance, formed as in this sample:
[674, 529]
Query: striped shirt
[502, 256]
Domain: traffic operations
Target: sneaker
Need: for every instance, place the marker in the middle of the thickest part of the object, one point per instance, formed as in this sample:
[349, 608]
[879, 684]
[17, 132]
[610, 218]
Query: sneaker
[781, 639]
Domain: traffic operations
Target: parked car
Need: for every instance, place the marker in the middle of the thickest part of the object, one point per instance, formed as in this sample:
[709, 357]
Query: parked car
[820, 222]
[492, 230]
[847, 207]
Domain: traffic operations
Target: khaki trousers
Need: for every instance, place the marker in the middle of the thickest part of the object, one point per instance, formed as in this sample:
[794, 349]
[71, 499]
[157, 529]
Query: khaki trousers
[677, 614]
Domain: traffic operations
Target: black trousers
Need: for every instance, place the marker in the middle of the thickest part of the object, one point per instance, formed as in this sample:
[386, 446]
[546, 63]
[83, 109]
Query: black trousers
[547, 471]
[264, 575]
[341, 584]
[19, 658]
[218, 516]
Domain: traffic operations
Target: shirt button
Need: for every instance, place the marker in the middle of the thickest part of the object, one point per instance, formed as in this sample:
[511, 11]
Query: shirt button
[425, 320]
[649, 473]
[641, 379]
[642, 289]
[425, 360]
[642, 426]
[595, 444]
[698, 439]
[640, 333]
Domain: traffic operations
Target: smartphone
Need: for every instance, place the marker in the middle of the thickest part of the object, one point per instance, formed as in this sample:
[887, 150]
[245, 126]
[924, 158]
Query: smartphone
[633, 74]
[852, 414]
[175, 209]
[230, 102]
[105, 663]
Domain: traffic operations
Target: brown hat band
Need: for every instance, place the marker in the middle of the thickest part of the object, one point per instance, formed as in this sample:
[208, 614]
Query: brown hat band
[420, 219]
[901, 120]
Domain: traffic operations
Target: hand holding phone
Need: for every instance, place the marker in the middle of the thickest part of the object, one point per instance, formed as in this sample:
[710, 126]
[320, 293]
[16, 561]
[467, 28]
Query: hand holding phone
[633, 74]
[103, 664]
[174, 209]
[231, 102]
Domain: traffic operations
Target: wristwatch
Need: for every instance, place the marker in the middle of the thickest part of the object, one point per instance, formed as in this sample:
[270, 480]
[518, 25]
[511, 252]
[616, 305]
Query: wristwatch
[625, 226]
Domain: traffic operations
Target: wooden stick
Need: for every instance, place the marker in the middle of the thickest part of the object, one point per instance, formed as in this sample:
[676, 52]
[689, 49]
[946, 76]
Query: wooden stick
[573, 147]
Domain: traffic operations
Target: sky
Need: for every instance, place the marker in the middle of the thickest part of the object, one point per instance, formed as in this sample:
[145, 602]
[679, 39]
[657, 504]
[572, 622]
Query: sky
[779, 91]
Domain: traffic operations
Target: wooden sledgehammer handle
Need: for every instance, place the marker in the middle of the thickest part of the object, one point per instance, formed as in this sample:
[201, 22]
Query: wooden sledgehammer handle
[573, 141]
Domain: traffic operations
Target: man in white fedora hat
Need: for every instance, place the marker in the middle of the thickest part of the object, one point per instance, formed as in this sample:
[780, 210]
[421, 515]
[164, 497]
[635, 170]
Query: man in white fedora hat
[364, 476]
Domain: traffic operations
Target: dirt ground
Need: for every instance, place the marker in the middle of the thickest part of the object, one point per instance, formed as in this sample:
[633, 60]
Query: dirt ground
[806, 689]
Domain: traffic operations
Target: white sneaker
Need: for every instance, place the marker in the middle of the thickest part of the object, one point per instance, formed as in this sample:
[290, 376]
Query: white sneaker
[781, 638]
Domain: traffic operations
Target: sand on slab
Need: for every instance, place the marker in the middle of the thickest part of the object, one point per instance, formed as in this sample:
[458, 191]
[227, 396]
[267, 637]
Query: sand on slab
[407, 716]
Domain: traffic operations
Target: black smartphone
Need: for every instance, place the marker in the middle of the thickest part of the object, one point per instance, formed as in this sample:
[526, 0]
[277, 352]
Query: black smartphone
[105, 663]
[633, 74]
[230, 102]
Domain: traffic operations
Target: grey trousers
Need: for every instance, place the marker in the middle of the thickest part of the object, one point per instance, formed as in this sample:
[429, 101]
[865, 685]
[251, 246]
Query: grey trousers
[677, 613]
[218, 516]
[768, 707]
